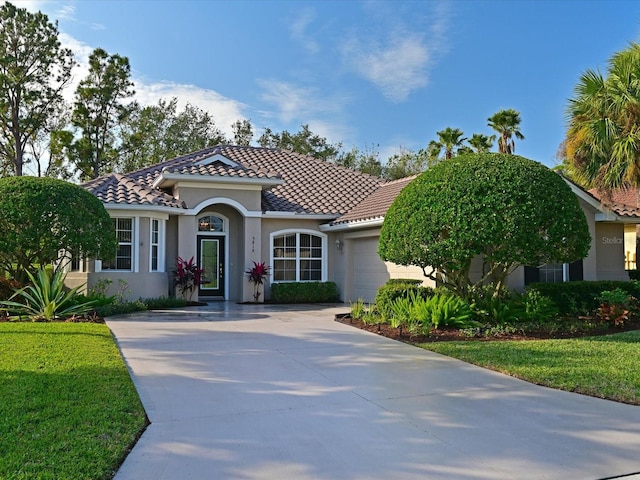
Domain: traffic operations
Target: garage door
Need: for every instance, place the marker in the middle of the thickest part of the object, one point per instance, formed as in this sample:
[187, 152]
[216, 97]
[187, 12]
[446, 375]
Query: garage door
[369, 272]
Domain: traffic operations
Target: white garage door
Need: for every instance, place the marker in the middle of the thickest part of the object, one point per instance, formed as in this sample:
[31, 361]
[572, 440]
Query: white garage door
[369, 272]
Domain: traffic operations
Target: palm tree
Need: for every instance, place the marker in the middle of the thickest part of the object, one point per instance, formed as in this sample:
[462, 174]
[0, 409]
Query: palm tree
[450, 139]
[481, 143]
[507, 124]
[602, 147]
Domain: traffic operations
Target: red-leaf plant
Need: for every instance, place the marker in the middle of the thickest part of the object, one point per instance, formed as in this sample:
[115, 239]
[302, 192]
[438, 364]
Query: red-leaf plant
[257, 275]
[187, 277]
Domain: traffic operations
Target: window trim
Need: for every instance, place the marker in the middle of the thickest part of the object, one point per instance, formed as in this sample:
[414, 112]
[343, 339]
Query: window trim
[324, 260]
[135, 250]
[160, 245]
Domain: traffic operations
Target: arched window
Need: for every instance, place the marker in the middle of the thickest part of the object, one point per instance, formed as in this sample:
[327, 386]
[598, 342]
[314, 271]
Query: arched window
[210, 223]
[298, 256]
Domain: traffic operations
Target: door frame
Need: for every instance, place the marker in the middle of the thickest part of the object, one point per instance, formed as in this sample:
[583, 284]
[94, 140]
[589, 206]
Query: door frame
[223, 251]
[223, 236]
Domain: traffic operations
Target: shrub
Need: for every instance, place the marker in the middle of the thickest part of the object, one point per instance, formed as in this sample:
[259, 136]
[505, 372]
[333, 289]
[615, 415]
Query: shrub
[581, 298]
[8, 287]
[304, 292]
[615, 306]
[358, 309]
[47, 298]
[187, 276]
[508, 209]
[404, 281]
[537, 307]
[44, 219]
[443, 309]
[121, 308]
[392, 290]
[440, 309]
[164, 302]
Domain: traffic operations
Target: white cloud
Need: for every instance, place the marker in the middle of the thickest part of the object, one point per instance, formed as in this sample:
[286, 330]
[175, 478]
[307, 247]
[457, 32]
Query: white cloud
[293, 102]
[397, 68]
[298, 29]
[223, 110]
[66, 12]
[31, 5]
[398, 60]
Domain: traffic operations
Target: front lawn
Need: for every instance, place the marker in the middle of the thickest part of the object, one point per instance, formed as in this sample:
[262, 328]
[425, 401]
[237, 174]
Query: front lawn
[605, 366]
[68, 407]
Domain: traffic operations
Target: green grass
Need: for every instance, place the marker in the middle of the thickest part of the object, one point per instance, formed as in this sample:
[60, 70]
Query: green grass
[68, 408]
[605, 367]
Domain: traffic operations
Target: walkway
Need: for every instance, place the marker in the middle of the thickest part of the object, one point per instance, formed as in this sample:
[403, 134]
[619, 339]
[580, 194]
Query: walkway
[269, 392]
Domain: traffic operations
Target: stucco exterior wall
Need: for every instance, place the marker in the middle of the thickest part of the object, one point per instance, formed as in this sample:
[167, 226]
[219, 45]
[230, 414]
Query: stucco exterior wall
[138, 284]
[589, 263]
[247, 196]
[610, 252]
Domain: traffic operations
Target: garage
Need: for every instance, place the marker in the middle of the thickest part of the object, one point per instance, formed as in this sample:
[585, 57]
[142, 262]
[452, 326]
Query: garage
[371, 272]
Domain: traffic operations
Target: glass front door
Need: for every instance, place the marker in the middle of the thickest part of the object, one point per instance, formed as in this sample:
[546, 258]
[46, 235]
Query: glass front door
[211, 259]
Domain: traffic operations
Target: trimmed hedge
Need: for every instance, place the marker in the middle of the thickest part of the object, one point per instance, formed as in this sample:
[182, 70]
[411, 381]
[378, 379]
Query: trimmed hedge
[398, 288]
[304, 292]
[579, 298]
[404, 281]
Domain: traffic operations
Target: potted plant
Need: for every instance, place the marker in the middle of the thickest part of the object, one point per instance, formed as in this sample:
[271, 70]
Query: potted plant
[257, 275]
[187, 277]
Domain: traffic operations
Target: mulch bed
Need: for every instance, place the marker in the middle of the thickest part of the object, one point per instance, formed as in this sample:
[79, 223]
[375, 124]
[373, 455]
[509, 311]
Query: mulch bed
[452, 334]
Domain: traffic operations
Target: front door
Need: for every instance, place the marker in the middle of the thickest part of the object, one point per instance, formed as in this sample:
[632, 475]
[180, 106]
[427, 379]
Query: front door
[211, 259]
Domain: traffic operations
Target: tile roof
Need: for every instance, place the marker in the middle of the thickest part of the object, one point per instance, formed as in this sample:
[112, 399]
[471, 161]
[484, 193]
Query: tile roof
[377, 204]
[622, 196]
[118, 189]
[622, 202]
[310, 186]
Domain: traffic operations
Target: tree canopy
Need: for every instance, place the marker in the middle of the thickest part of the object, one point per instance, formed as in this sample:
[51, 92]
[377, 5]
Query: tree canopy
[304, 142]
[34, 70]
[507, 209]
[98, 110]
[41, 218]
[158, 132]
[507, 124]
[602, 145]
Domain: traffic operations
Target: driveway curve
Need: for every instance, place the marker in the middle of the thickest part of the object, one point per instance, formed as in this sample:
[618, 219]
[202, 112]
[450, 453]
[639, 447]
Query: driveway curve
[285, 392]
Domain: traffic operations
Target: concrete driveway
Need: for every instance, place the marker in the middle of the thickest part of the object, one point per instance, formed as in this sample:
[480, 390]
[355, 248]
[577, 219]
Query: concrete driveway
[272, 392]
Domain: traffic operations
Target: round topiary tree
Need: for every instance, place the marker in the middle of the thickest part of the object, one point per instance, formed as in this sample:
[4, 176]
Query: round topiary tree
[42, 219]
[507, 209]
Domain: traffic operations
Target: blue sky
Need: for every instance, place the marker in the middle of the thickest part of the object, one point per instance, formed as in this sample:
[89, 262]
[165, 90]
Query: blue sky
[383, 74]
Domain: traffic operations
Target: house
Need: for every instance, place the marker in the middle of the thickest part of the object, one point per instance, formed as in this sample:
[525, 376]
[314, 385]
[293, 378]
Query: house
[309, 220]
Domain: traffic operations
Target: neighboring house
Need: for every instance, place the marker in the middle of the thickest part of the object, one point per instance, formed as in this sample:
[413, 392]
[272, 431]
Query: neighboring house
[309, 220]
[627, 201]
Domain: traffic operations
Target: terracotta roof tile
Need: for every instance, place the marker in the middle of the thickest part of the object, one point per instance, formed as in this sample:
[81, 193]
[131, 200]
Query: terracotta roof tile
[310, 186]
[623, 202]
[377, 204]
[622, 196]
[116, 188]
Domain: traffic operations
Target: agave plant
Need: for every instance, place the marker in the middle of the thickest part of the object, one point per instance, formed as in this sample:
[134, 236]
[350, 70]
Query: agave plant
[46, 298]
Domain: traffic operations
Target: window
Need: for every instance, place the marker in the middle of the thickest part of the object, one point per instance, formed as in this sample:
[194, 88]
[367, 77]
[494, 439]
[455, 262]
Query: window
[551, 273]
[155, 244]
[210, 223]
[298, 257]
[76, 263]
[124, 256]
[554, 272]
